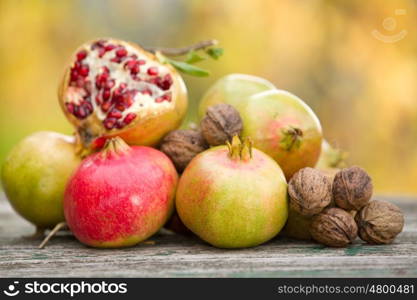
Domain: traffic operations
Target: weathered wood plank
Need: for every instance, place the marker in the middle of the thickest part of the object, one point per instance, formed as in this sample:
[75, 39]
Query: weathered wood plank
[178, 256]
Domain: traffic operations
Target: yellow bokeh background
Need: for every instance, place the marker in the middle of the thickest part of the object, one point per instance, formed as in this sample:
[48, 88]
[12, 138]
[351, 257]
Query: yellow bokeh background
[341, 57]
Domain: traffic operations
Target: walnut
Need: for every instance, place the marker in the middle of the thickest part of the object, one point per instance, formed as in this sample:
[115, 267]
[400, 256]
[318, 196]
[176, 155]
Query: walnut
[221, 123]
[352, 188]
[310, 191]
[334, 227]
[182, 145]
[379, 222]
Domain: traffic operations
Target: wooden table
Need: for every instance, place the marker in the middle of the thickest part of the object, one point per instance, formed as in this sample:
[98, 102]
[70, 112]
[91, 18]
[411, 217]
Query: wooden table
[177, 256]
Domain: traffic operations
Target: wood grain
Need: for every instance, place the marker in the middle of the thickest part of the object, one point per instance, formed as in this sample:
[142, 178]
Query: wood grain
[177, 256]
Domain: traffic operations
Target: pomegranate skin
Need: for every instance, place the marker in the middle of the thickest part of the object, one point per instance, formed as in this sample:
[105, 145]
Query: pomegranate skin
[232, 203]
[120, 197]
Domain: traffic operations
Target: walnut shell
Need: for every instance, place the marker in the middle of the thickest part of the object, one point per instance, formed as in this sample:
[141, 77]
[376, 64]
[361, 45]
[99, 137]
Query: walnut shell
[221, 123]
[310, 191]
[334, 227]
[379, 222]
[352, 188]
[182, 145]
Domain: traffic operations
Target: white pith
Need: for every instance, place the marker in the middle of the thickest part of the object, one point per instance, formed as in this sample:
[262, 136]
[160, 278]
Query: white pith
[143, 103]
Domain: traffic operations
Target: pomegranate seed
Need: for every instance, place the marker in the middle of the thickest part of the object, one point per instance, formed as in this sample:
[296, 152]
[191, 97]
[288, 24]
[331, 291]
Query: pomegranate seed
[121, 52]
[109, 123]
[101, 52]
[74, 75]
[70, 107]
[130, 64]
[105, 106]
[120, 107]
[109, 84]
[80, 82]
[81, 55]
[117, 60]
[109, 47]
[115, 114]
[84, 70]
[141, 62]
[98, 100]
[119, 124]
[104, 76]
[129, 118]
[81, 112]
[135, 69]
[165, 83]
[123, 86]
[153, 71]
[117, 97]
[106, 70]
[106, 94]
[101, 80]
[88, 107]
[128, 100]
[166, 97]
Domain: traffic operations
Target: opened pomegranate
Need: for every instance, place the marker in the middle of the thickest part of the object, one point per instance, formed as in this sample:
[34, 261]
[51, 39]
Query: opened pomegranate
[120, 196]
[116, 88]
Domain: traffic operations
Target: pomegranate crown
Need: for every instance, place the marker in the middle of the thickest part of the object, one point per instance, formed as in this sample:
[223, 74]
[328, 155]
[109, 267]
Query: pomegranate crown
[239, 150]
[115, 147]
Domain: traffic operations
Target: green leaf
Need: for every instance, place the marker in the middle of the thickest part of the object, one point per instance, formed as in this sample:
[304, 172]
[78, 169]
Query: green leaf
[193, 57]
[215, 53]
[188, 69]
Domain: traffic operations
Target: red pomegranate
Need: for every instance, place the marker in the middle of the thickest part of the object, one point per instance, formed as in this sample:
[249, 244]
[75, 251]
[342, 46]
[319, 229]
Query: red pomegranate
[120, 196]
[116, 88]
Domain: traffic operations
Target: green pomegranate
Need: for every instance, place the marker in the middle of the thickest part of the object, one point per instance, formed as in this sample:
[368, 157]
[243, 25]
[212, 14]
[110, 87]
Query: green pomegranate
[278, 122]
[231, 89]
[35, 174]
[233, 196]
[284, 127]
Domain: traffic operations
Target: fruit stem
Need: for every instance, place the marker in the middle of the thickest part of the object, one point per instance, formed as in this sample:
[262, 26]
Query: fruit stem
[183, 50]
[239, 150]
[115, 146]
[57, 228]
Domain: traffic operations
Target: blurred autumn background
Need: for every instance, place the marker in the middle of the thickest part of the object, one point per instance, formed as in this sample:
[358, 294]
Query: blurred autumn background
[354, 62]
